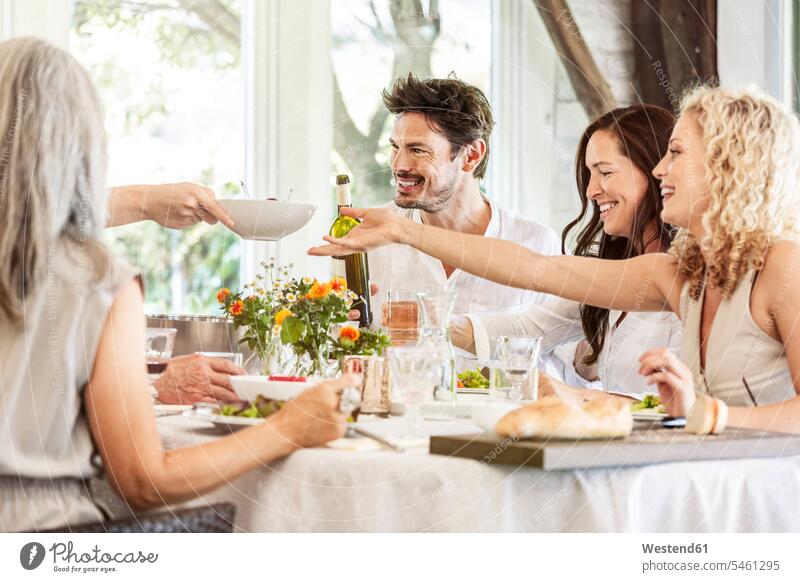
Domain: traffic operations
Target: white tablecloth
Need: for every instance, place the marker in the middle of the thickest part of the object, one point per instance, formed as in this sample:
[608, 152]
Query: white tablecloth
[325, 490]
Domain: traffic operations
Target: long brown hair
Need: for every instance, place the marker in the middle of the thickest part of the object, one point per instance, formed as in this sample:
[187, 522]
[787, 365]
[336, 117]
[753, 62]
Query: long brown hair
[642, 134]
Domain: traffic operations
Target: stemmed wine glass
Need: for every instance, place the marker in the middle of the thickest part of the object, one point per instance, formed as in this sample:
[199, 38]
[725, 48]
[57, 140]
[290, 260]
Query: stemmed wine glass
[517, 357]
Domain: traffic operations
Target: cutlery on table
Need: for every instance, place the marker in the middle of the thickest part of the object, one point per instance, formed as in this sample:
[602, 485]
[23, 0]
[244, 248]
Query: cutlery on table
[356, 430]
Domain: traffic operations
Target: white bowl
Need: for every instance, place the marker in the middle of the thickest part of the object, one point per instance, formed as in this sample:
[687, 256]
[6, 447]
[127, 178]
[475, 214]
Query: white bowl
[266, 219]
[248, 387]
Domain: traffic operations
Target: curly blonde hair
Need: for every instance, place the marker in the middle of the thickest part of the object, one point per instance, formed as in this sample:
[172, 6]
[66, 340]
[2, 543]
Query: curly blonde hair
[752, 162]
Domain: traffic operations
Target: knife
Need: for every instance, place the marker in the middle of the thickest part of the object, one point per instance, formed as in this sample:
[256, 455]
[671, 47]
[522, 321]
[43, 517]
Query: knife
[371, 435]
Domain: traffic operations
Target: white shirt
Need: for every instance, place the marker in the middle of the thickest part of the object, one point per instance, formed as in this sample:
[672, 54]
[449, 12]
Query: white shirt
[403, 268]
[558, 322]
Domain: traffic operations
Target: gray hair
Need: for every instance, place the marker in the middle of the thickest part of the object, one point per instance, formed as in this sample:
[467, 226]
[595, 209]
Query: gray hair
[52, 165]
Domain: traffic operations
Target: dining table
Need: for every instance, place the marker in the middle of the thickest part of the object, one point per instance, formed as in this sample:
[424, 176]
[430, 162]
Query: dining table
[360, 486]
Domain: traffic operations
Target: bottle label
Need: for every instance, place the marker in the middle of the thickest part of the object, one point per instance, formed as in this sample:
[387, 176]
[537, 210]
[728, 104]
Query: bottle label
[343, 197]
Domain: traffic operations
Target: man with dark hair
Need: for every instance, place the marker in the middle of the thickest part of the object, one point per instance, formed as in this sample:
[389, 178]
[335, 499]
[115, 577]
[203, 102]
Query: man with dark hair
[440, 153]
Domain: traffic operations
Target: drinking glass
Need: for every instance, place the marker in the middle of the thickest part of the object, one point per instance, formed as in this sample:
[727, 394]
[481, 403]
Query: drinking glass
[375, 388]
[515, 358]
[159, 342]
[402, 317]
[233, 357]
[413, 379]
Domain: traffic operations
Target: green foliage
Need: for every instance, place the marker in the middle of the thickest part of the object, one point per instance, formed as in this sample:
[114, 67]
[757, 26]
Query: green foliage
[292, 330]
[186, 39]
[187, 34]
[202, 256]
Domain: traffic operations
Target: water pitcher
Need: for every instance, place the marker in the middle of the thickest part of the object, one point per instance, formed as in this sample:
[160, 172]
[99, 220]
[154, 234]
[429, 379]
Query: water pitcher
[434, 334]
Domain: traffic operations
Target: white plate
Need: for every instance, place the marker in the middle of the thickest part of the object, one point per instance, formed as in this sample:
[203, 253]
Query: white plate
[248, 387]
[473, 391]
[649, 414]
[167, 408]
[439, 410]
[266, 219]
[486, 415]
[170, 409]
[220, 421]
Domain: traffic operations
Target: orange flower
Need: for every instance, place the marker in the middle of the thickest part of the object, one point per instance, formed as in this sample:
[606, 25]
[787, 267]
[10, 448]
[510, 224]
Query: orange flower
[281, 315]
[349, 333]
[338, 284]
[237, 307]
[222, 294]
[319, 290]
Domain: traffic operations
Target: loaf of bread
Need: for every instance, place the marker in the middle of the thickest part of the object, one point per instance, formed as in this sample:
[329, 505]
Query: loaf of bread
[569, 416]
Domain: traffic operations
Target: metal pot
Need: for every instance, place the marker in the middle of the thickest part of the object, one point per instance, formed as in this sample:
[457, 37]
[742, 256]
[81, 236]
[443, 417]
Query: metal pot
[201, 333]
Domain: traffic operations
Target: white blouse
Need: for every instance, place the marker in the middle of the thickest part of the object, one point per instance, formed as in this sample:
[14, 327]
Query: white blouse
[558, 322]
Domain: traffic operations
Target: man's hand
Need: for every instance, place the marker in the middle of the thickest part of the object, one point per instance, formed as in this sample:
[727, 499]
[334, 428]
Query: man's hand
[196, 378]
[171, 205]
[673, 377]
[354, 314]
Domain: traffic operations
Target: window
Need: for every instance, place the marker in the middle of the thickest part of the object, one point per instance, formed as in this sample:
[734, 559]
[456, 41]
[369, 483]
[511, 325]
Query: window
[376, 41]
[170, 76]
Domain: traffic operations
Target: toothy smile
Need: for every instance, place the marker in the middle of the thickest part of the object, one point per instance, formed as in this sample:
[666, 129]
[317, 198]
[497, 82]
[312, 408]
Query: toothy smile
[409, 183]
[606, 206]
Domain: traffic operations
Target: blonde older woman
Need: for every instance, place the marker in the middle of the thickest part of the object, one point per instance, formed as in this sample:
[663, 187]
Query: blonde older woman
[730, 182]
[72, 371]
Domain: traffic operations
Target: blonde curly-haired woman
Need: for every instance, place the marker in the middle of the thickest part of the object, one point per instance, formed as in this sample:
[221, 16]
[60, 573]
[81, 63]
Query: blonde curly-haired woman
[73, 381]
[730, 182]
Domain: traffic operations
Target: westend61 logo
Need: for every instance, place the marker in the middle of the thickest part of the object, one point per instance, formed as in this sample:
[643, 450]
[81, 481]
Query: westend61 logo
[66, 559]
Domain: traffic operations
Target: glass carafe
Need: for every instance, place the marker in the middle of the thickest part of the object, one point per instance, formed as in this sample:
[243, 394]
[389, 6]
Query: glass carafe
[434, 334]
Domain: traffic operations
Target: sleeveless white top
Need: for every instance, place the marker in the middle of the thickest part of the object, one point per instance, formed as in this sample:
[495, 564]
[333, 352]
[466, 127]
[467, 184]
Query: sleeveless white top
[744, 365]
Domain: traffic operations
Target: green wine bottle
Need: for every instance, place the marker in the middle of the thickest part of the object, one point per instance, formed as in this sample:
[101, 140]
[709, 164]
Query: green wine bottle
[356, 267]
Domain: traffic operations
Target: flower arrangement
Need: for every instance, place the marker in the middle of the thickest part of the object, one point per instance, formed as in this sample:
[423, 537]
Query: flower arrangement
[309, 315]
